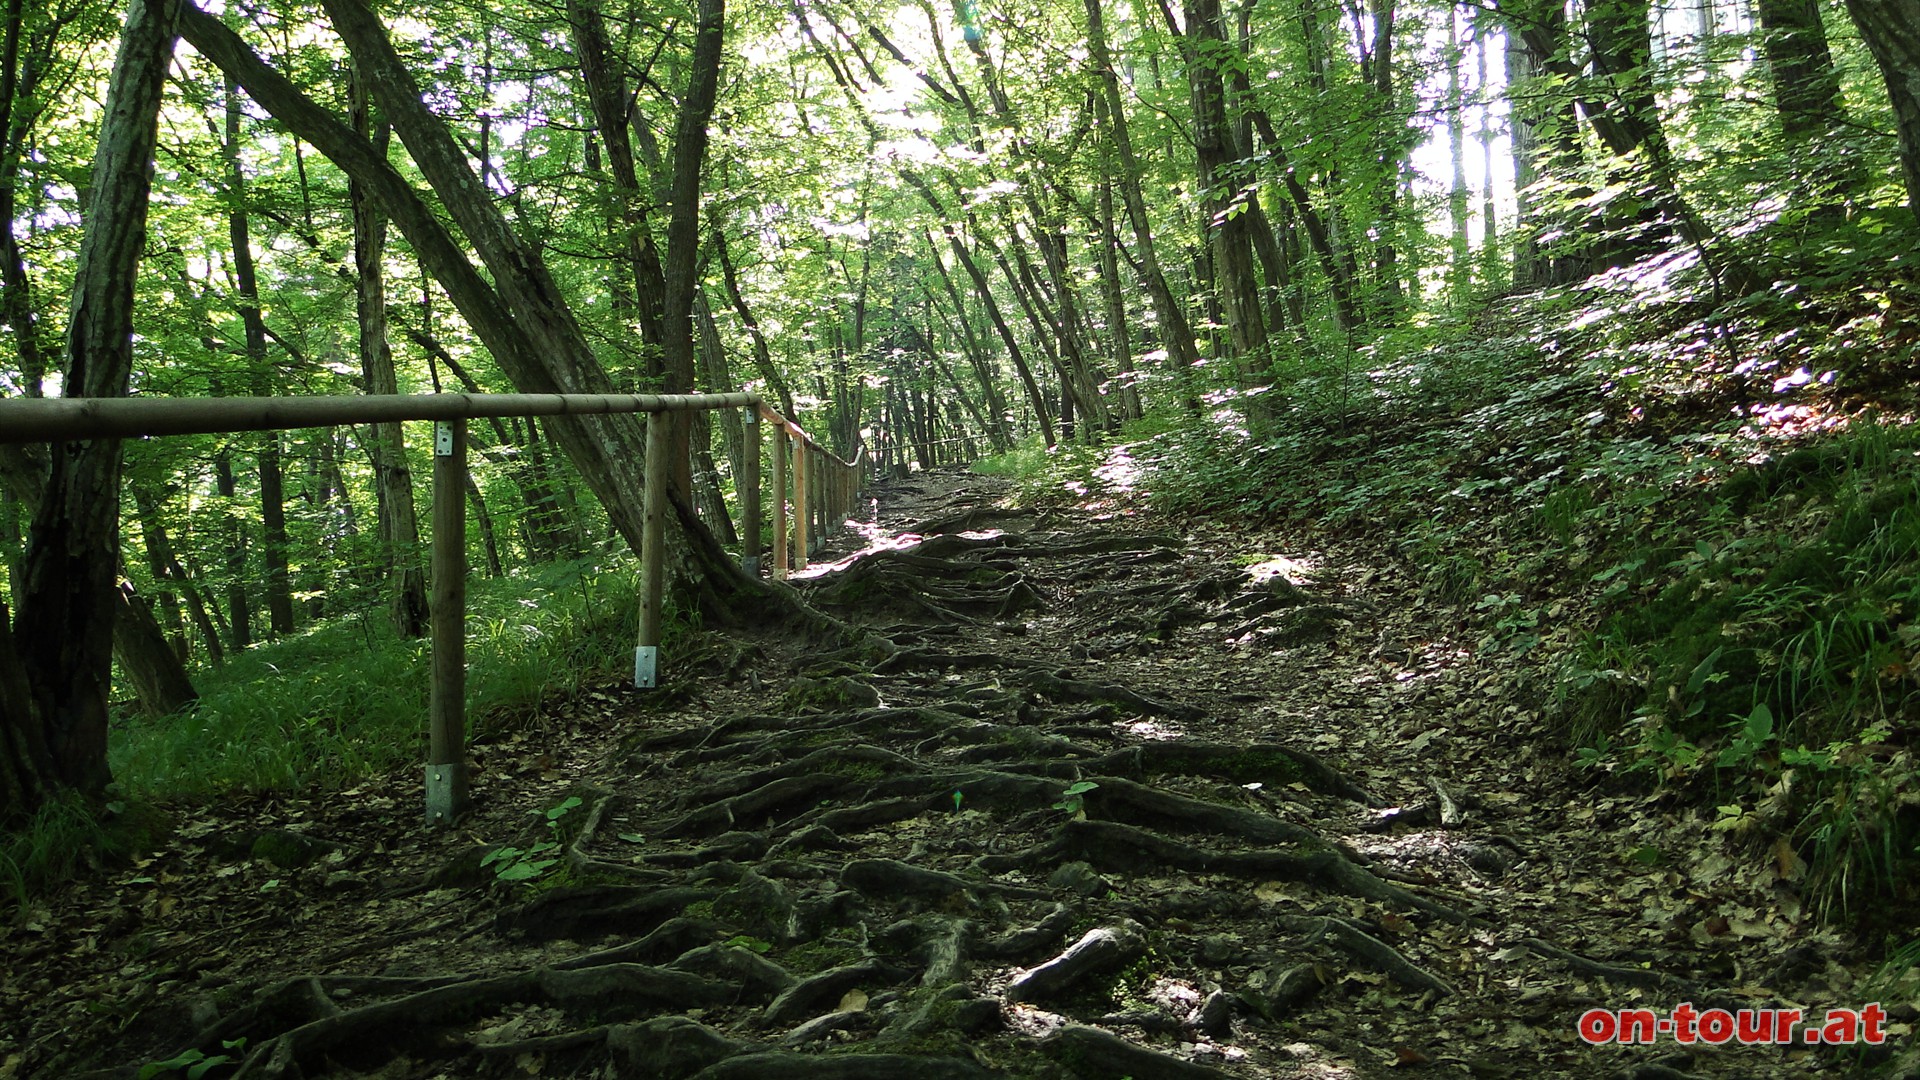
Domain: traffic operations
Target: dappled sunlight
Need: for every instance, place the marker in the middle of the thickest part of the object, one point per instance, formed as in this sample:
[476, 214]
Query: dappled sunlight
[1151, 729]
[1295, 571]
[878, 538]
[1119, 472]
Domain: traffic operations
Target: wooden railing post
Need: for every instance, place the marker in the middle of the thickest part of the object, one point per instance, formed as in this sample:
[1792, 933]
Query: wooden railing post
[750, 495]
[781, 562]
[653, 535]
[802, 506]
[447, 697]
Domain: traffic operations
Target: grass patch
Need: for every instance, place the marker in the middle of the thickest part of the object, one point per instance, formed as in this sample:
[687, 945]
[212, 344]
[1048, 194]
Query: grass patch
[348, 698]
[68, 835]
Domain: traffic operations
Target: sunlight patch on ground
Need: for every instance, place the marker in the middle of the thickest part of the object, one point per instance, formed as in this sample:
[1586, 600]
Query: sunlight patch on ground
[1119, 472]
[1155, 730]
[878, 538]
[1296, 571]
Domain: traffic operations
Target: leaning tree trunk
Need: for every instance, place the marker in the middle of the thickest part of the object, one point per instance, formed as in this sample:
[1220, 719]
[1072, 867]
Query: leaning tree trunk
[56, 669]
[520, 317]
[1892, 33]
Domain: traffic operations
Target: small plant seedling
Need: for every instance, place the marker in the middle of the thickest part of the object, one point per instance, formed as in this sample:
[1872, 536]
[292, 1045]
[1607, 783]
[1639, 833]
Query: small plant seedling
[1073, 800]
[524, 864]
[554, 813]
[749, 943]
[193, 1062]
[957, 798]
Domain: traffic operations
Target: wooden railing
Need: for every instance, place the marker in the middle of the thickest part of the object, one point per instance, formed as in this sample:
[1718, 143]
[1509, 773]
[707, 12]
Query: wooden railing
[823, 489]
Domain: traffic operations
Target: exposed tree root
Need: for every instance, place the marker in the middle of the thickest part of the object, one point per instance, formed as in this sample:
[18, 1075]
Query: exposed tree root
[914, 853]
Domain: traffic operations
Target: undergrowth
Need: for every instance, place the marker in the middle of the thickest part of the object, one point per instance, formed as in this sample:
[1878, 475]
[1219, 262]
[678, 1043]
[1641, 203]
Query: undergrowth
[348, 697]
[341, 701]
[1702, 527]
[65, 836]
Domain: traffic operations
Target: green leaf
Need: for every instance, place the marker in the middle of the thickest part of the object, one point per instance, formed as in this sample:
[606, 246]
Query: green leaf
[1703, 671]
[525, 871]
[632, 837]
[180, 1061]
[200, 1070]
[1080, 787]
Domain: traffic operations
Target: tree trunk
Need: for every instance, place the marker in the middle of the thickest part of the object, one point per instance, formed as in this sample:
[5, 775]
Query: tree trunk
[56, 665]
[239, 609]
[1175, 330]
[1891, 29]
[1225, 205]
[1119, 338]
[985, 291]
[166, 567]
[273, 511]
[607, 95]
[1806, 85]
[683, 224]
[19, 78]
[520, 317]
[1460, 263]
[399, 522]
[762, 357]
[998, 433]
[145, 657]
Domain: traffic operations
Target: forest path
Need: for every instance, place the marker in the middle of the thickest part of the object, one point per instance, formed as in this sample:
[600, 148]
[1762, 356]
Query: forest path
[1096, 796]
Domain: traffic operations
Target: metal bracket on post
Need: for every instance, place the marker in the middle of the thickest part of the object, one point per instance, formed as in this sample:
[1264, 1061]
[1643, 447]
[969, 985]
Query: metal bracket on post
[446, 793]
[443, 438]
[646, 666]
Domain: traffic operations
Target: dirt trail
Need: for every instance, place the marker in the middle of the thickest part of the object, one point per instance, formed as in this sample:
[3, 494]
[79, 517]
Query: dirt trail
[1093, 796]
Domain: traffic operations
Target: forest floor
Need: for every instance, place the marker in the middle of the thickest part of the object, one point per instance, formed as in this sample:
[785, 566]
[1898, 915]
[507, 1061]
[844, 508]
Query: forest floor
[1096, 795]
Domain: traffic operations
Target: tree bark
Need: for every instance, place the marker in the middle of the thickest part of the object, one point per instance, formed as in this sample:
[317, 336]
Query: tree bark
[239, 609]
[56, 668]
[607, 95]
[762, 357]
[273, 509]
[1176, 331]
[998, 433]
[1806, 85]
[525, 323]
[1224, 203]
[167, 568]
[399, 522]
[19, 77]
[1891, 29]
[683, 223]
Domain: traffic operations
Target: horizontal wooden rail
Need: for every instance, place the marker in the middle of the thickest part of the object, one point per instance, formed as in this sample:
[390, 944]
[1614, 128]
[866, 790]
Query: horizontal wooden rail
[825, 489]
[70, 419]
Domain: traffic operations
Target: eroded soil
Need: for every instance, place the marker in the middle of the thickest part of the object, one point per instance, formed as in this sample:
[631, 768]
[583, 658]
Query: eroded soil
[1093, 795]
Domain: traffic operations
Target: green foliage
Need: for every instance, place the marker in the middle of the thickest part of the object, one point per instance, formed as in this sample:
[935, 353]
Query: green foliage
[1068, 473]
[525, 864]
[193, 1063]
[64, 837]
[347, 698]
[1073, 799]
